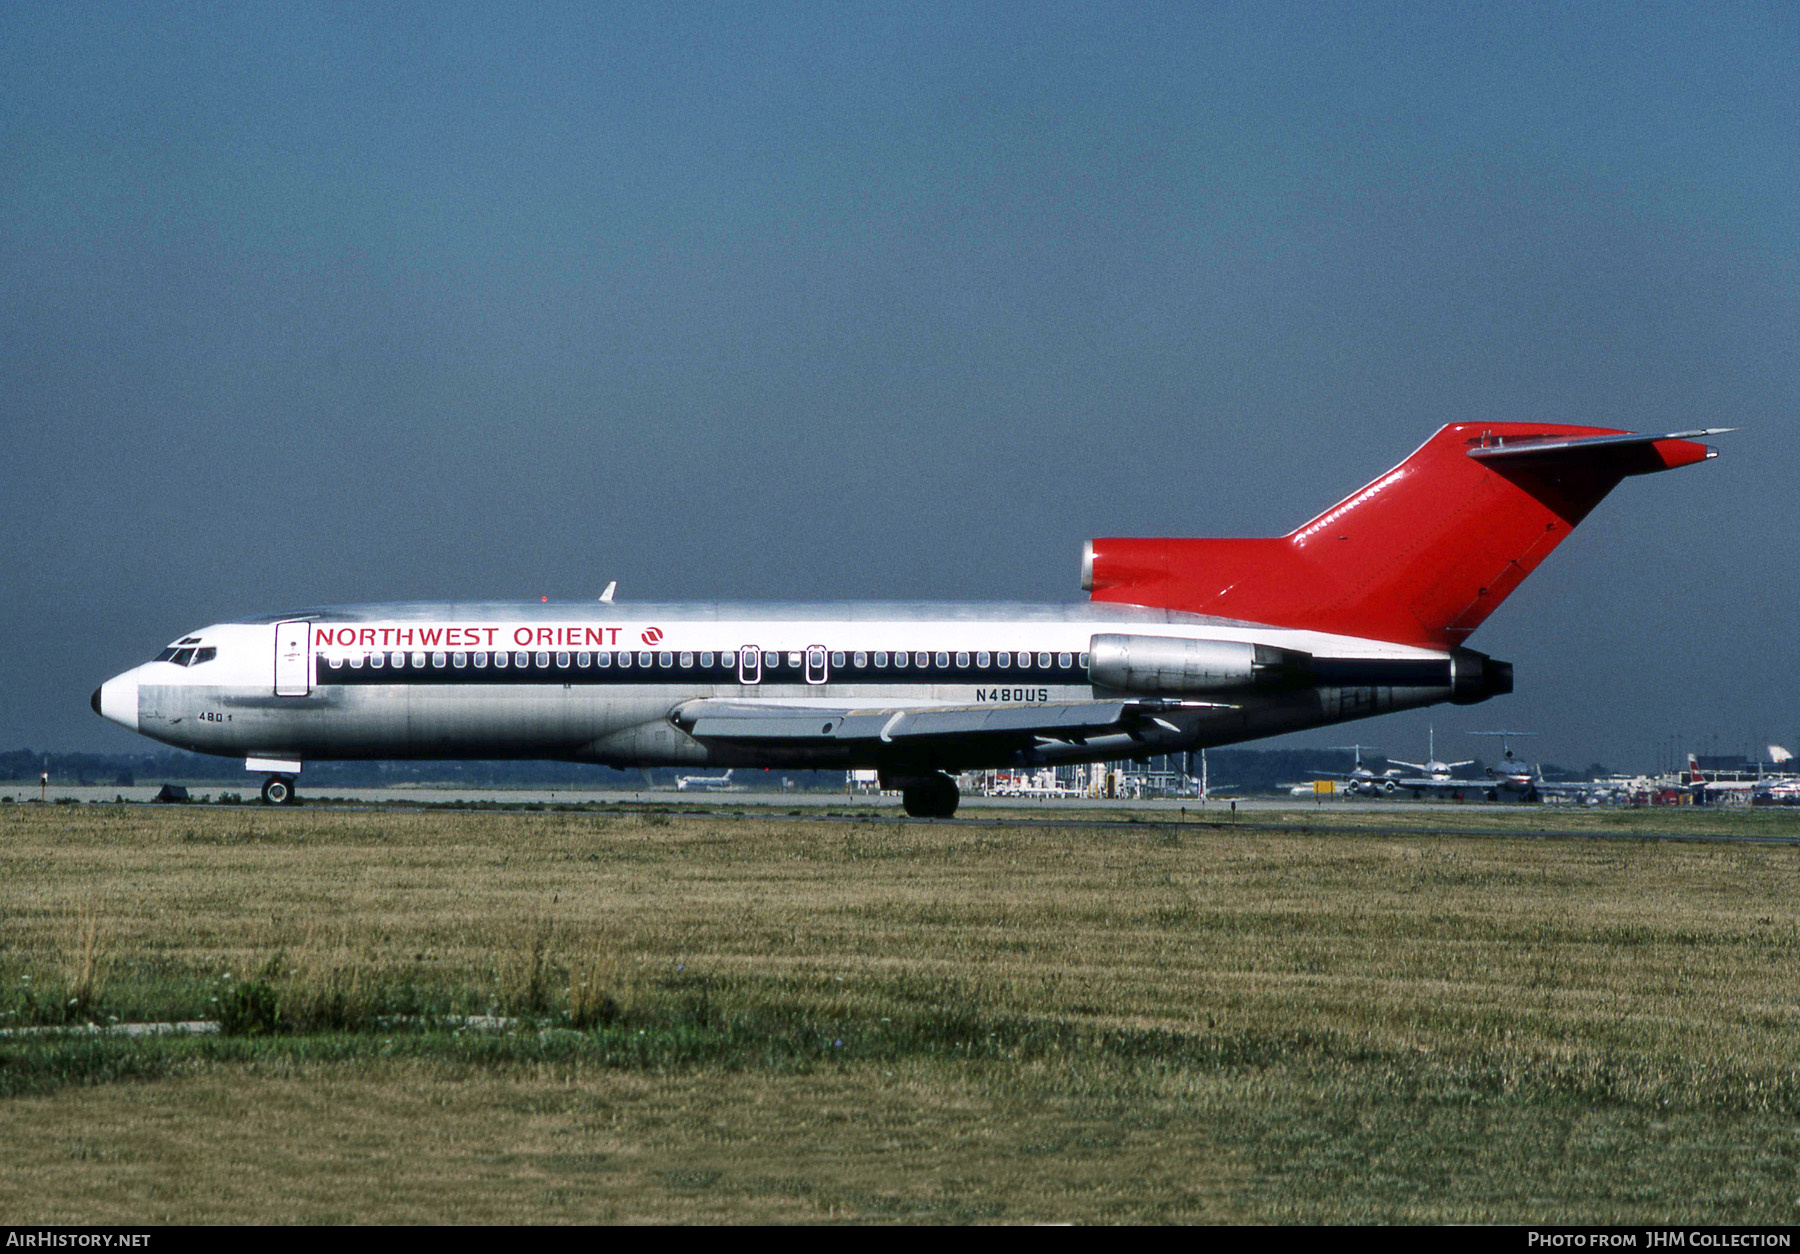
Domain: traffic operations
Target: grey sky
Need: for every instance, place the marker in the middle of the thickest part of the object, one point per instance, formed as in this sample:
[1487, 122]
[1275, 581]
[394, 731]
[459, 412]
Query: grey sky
[357, 303]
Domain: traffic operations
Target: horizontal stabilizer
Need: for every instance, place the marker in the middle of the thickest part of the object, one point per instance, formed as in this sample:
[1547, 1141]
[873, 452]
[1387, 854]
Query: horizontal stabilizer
[1652, 452]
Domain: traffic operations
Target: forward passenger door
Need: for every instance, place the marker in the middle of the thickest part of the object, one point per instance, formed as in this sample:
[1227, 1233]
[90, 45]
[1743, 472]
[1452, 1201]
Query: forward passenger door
[293, 659]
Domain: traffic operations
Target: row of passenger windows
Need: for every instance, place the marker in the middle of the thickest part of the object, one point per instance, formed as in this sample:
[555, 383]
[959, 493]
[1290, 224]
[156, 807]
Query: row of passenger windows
[707, 661]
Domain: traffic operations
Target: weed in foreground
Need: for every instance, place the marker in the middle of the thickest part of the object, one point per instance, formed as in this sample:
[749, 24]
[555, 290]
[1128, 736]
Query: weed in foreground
[596, 985]
[88, 957]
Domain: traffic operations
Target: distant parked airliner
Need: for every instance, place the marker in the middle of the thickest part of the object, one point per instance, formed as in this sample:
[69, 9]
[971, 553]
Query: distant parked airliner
[1185, 644]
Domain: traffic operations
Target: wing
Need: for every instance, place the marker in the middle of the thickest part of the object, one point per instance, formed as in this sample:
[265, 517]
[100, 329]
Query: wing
[1424, 782]
[767, 723]
[1568, 788]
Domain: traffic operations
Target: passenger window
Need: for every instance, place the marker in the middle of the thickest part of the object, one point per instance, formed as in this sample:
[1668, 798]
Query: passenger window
[728, 660]
[1064, 660]
[337, 663]
[860, 660]
[1024, 661]
[943, 661]
[901, 660]
[502, 660]
[665, 659]
[962, 661]
[543, 661]
[794, 660]
[584, 660]
[706, 660]
[837, 660]
[1004, 661]
[982, 660]
[356, 662]
[399, 660]
[522, 660]
[1084, 661]
[687, 661]
[1043, 661]
[440, 660]
[880, 660]
[603, 658]
[481, 661]
[562, 661]
[459, 660]
[771, 661]
[645, 659]
[922, 660]
[377, 660]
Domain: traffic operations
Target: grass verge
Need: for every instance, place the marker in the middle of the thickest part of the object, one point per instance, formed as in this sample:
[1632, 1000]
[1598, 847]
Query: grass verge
[769, 1021]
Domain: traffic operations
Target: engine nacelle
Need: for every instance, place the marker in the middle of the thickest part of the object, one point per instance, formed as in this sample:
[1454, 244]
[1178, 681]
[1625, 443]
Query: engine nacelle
[1169, 665]
[1476, 677]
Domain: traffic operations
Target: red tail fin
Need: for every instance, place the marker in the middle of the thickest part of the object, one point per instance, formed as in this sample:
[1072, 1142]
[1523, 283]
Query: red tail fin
[1420, 556]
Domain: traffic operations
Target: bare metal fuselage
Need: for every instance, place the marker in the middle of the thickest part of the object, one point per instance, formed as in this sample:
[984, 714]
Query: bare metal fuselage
[606, 683]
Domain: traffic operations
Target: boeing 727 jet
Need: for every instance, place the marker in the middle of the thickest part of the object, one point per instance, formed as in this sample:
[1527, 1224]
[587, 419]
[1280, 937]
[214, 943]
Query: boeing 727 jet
[1185, 644]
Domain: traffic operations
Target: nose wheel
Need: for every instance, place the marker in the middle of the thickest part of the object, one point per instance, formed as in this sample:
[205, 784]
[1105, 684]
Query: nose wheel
[278, 790]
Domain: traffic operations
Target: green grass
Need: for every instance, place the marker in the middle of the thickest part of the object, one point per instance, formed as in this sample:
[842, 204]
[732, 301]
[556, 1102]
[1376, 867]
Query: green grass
[719, 1020]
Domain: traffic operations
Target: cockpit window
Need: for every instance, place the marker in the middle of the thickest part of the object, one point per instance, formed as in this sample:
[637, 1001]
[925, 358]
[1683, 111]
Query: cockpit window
[204, 655]
[167, 655]
[182, 657]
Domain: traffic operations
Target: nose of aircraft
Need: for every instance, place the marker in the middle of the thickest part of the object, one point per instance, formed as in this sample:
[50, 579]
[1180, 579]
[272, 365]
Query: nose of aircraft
[117, 700]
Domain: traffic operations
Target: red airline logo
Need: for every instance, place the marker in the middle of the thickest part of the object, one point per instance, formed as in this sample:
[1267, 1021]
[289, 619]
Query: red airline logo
[653, 635]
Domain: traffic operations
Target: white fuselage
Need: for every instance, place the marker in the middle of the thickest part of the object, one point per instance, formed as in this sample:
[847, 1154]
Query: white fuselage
[600, 682]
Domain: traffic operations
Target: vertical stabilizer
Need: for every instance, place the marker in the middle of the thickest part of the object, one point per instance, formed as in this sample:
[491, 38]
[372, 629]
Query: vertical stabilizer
[1420, 556]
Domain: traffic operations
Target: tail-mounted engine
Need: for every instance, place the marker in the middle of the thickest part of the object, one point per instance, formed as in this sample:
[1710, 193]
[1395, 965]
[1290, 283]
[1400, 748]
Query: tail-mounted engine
[1167, 665]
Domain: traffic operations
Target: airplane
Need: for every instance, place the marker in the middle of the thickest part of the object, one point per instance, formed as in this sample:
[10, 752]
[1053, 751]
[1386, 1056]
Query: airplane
[1362, 780]
[1184, 644]
[1778, 790]
[706, 783]
[1435, 771]
[1782, 792]
[1434, 776]
[1514, 779]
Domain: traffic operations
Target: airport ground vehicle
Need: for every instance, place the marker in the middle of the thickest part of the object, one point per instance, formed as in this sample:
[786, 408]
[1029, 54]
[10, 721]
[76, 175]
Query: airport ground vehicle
[1186, 643]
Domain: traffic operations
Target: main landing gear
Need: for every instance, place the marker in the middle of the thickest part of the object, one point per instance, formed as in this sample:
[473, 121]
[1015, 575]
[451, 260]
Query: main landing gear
[278, 790]
[930, 796]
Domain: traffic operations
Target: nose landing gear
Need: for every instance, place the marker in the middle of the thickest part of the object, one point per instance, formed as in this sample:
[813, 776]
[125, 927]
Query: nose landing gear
[278, 790]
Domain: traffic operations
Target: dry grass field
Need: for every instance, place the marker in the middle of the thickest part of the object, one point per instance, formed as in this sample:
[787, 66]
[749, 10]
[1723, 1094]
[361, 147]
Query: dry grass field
[1328, 1017]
